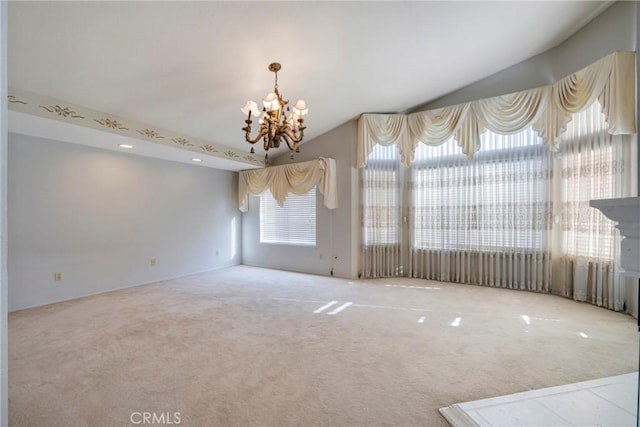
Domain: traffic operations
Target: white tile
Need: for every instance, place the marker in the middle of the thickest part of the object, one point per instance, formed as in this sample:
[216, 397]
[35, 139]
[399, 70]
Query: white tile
[586, 408]
[623, 395]
[524, 413]
[606, 402]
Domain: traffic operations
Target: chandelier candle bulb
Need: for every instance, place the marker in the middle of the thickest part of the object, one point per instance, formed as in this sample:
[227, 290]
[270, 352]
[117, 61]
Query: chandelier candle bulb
[249, 108]
[275, 125]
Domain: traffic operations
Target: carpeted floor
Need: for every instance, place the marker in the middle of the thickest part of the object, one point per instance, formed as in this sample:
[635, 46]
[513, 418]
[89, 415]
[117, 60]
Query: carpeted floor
[243, 347]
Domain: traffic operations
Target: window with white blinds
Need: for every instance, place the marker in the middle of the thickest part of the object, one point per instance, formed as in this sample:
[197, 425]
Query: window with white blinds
[294, 223]
[499, 200]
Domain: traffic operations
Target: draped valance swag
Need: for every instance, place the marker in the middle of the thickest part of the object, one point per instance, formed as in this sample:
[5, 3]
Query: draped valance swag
[298, 178]
[548, 109]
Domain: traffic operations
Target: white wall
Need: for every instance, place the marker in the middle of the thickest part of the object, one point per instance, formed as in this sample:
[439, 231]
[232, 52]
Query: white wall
[4, 393]
[98, 217]
[614, 29]
[634, 289]
[334, 229]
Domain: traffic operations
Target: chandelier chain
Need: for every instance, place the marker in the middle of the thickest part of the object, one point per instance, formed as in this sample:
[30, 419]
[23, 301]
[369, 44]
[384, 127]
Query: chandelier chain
[275, 86]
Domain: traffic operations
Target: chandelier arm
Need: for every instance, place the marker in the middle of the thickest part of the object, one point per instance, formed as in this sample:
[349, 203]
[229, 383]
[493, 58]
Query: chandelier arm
[286, 135]
[267, 137]
[291, 137]
[247, 135]
[292, 134]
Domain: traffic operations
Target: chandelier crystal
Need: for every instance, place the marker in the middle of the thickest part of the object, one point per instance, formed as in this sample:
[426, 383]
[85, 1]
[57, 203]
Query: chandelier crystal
[276, 125]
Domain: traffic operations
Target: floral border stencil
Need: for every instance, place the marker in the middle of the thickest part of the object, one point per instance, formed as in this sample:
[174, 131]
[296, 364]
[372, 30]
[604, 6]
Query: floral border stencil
[56, 109]
[62, 111]
[209, 148]
[13, 100]
[112, 124]
[149, 133]
[182, 141]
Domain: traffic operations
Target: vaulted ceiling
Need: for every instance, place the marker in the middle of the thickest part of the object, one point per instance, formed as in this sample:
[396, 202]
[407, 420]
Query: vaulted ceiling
[188, 67]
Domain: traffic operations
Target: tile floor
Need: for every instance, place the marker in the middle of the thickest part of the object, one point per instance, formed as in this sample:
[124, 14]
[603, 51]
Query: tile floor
[603, 402]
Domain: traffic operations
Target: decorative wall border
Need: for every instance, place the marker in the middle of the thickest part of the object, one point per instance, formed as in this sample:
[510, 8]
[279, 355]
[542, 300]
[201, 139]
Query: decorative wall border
[51, 108]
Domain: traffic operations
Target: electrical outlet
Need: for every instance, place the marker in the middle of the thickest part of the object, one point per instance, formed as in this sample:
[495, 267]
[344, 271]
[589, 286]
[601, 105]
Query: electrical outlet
[217, 253]
[57, 276]
[320, 256]
[154, 262]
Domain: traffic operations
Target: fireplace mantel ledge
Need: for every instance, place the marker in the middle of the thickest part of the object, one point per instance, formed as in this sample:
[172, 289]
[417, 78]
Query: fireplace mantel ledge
[626, 213]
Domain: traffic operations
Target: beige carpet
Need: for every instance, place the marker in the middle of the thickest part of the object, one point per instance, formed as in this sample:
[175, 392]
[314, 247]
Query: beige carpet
[243, 347]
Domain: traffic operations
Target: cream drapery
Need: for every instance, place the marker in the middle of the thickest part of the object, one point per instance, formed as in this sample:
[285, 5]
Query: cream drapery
[298, 178]
[593, 165]
[383, 129]
[382, 201]
[483, 222]
[548, 109]
[434, 126]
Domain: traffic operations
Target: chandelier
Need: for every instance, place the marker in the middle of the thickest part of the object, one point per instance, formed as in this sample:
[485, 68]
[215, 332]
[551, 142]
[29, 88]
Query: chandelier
[275, 125]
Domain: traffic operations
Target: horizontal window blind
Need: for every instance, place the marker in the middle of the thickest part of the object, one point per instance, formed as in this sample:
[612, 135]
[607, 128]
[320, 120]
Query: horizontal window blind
[497, 201]
[294, 223]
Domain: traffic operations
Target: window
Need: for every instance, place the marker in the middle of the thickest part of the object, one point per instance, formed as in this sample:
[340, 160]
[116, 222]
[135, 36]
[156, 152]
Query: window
[381, 197]
[294, 223]
[592, 168]
[501, 217]
[497, 201]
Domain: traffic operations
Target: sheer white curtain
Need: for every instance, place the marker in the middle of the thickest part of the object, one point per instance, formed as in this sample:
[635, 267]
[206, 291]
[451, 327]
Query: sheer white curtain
[484, 221]
[381, 213]
[595, 165]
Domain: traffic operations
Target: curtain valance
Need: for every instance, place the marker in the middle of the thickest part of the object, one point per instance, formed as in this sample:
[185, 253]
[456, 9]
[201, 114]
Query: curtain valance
[548, 109]
[298, 178]
[383, 129]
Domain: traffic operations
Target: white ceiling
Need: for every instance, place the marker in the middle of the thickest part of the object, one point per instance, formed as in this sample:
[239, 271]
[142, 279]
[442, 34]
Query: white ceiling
[190, 66]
